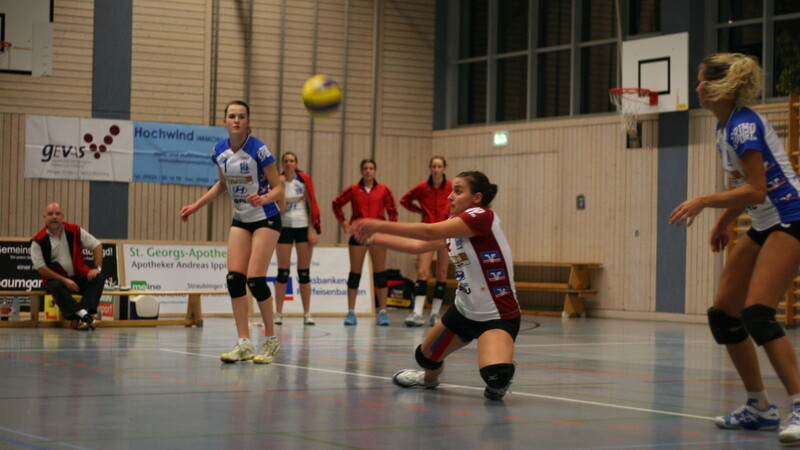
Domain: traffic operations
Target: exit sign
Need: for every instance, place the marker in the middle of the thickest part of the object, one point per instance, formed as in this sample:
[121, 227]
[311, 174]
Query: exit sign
[500, 138]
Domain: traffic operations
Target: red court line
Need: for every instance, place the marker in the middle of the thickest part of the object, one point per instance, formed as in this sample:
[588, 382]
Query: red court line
[464, 413]
[624, 427]
[417, 408]
[333, 399]
[373, 403]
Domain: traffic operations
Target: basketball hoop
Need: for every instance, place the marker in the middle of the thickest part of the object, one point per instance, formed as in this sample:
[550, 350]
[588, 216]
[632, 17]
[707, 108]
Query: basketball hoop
[4, 45]
[629, 102]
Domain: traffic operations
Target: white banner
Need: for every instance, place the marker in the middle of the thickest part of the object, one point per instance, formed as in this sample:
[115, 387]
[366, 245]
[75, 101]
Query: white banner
[78, 149]
[200, 267]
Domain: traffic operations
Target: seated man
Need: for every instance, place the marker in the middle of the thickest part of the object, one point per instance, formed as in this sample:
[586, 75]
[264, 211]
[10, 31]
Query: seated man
[57, 253]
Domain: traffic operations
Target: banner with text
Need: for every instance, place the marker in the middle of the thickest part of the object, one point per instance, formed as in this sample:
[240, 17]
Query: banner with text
[78, 149]
[175, 153]
[199, 267]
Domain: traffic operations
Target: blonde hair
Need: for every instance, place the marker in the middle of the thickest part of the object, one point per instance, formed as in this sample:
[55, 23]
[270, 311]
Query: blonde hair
[733, 76]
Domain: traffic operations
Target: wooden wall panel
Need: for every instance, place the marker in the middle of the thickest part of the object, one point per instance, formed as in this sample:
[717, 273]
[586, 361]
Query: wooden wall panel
[68, 92]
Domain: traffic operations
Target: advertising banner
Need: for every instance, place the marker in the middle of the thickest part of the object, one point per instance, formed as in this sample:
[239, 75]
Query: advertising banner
[175, 153]
[78, 149]
[203, 267]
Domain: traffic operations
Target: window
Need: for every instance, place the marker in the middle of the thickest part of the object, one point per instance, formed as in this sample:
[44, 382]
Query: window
[517, 60]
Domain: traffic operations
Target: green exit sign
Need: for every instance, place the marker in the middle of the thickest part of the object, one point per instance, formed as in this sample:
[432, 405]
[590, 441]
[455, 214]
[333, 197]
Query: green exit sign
[500, 138]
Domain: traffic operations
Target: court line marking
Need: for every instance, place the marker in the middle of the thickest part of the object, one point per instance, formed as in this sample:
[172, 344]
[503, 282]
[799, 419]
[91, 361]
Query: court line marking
[473, 388]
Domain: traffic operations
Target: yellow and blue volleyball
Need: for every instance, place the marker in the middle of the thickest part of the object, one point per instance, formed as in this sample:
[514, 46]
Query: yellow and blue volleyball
[321, 95]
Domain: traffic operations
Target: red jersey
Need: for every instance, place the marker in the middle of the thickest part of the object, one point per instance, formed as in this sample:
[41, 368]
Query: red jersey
[431, 201]
[365, 204]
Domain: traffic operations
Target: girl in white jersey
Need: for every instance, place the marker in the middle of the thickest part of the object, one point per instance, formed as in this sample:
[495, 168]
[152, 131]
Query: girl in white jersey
[301, 225]
[247, 171]
[764, 261]
[486, 306]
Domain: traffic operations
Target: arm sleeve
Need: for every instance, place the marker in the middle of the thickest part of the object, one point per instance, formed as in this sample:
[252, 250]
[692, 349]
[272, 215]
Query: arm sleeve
[479, 220]
[36, 256]
[391, 205]
[408, 201]
[88, 241]
[340, 201]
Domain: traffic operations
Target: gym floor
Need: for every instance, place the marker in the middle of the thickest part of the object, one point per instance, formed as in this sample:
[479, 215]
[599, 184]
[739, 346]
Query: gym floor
[580, 384]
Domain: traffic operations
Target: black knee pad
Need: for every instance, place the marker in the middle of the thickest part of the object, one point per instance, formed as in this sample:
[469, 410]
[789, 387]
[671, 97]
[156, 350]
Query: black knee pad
[424, 362]
[726, 329]
[760, 323]
[304, 276]
[353, 280]
[498, 376]
[421, 287]
[438, 290]
[259, 289]
[379, 278]
[283, 276]
[237, 283]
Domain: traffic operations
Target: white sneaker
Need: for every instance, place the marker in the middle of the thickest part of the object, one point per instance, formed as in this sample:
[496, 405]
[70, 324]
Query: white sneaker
[242, 351]
[411, 378]
[433, 319]
[268, 351]
[790, 429]
[414, 320]
[309, 320]
[748, 417]
[278, 319]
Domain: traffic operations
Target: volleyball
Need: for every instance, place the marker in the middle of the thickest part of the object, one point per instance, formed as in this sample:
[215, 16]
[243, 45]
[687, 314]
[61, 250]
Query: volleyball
[321, 95]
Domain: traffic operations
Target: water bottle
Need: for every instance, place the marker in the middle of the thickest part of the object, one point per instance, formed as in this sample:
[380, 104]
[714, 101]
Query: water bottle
[14, 308]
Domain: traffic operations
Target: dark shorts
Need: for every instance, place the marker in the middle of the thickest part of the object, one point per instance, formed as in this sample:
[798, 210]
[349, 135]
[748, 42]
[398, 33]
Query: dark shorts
[759, 237]
[273, 223]
[468, 329]
[354, 241]
[292, 235]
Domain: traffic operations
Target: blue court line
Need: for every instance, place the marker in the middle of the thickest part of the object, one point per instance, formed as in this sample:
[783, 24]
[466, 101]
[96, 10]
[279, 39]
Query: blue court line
[32, 436]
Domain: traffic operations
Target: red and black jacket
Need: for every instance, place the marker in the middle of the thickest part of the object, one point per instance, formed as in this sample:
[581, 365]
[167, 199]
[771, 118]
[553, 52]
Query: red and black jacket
[373, 204]
[75, 249]
[313, 207]
[431, 201]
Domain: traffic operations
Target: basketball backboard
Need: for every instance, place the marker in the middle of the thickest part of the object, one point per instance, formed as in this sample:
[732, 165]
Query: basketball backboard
[659, 64]
[28, 27]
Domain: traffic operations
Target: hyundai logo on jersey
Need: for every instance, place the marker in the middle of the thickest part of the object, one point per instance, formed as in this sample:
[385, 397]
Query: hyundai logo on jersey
[239, 189]
[496, 275]
[491, 257]
[501, 291]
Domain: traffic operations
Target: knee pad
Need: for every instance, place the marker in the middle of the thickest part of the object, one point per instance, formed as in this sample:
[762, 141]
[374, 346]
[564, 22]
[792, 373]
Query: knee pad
[498, 376]
[353, 280]
[379, 278]
[283, 276]
[259, 289]
[421, 288]
[438, 290]
[304, 276]
[760, 323]
[236, 284]
[726, 329]
[424, 362]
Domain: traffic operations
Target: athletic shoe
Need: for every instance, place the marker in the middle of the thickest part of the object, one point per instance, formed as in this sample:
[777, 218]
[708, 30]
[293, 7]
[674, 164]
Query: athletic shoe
[278, 319]
[242, 351]
[748, 417]
[383, 319]
[269, 350]
[350, 319]
[412, 378]
[790, 429]
[414, 320]
[433, 319]
[309, 320]
[496, 394]
[89, 322]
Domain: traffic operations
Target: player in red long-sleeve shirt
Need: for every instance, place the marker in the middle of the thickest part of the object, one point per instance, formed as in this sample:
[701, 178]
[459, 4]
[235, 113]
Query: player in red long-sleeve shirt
[368, 199]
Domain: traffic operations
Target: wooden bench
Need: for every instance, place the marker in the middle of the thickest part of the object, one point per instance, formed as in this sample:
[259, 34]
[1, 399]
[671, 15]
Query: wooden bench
[194, 312]
[575, 288]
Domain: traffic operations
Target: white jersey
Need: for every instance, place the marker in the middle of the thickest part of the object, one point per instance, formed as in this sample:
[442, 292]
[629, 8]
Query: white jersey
[747, 130]
[296, 214]
[484, 269]
[244, 174]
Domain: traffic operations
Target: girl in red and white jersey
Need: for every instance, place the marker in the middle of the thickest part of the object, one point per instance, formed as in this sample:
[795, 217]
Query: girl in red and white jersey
[429, 198]
[486, 306]
[368, 199]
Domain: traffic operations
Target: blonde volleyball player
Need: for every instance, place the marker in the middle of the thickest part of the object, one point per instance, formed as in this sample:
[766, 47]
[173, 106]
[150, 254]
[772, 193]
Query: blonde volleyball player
[764, 261]
[485, 307]
[429, 198]
[247, 171]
